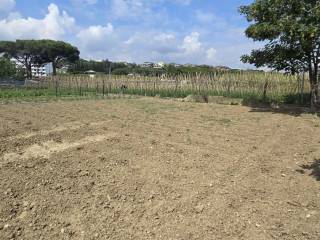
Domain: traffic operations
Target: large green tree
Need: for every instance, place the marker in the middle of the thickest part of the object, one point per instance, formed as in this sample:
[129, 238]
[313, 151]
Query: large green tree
[58, 53]
[25, 52]
[291, 29]
[29, 52]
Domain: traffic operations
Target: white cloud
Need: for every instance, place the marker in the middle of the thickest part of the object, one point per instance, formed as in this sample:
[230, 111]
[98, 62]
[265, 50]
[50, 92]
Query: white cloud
[138, 41]
[153, 42]
[120, 8]
[7, 5]
[55, 25]
[211, 53]
[130, 8]
[96, 38]
[191, 43]
[13, 16]
[103, 42]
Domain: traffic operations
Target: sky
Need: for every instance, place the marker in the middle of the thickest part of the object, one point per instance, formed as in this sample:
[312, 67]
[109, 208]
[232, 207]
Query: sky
[180, 31]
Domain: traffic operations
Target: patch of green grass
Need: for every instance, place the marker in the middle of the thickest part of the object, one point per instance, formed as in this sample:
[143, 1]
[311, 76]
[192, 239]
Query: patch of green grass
[214, 120]
[248, 96]
[114, 117]
[147, 107]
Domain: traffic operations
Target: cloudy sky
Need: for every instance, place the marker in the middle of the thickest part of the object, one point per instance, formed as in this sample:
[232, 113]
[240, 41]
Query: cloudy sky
[182, 31]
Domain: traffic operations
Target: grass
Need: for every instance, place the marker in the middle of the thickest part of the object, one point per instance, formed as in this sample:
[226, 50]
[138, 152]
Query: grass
[251, 87]
[212, 119]
[33, 94]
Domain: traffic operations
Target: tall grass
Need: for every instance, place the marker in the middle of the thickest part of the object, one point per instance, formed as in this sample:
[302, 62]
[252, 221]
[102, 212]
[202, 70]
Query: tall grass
[259, 86]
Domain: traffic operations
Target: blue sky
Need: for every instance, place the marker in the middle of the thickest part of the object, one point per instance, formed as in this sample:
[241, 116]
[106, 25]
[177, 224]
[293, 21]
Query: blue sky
[182, 31]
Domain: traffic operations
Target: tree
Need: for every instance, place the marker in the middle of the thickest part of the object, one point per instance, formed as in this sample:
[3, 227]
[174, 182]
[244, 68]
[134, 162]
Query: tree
[277, 57]
[57, 53]
[81, 66]
[292, 29]
[25, 52]
[7, 68]
[29, 52]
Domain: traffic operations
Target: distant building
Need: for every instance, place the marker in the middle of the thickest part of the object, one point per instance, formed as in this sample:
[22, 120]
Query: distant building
[63, 70]
[134, 75]
[41, 70]
[189, 65]
[124, 63]
[37, 70]
[223, 68]
[159, 65]
[91, 73]
[147, 65]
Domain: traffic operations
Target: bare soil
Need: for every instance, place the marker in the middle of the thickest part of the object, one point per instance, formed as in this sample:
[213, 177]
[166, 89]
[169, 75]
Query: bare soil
[157, 169]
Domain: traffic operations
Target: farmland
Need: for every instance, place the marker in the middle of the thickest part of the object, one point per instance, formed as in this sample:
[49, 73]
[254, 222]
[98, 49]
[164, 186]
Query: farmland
[149, 168]
[251, 86]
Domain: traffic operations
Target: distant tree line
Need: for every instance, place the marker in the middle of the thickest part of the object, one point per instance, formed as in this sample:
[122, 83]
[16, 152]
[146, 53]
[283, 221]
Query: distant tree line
[119, 68]
[81, 66]
[63, 55]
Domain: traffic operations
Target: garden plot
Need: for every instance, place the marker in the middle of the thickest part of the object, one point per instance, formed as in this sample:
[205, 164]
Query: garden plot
[157, 169]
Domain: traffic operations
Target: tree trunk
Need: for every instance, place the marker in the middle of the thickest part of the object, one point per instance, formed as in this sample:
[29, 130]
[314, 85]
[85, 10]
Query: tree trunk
[29, 71]
[54, 68]
[314, 91]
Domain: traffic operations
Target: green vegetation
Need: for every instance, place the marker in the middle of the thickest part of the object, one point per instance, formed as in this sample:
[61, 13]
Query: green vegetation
[292, 30]
[214, 120]
[10, 93]
[58, 53]
[119, 68]
[39, 52]
[289, 28]
[7, 68]
[249, 86]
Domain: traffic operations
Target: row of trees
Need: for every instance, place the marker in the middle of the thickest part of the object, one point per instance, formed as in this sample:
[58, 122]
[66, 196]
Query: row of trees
[105, 66]
[120, 68]
[39, 52]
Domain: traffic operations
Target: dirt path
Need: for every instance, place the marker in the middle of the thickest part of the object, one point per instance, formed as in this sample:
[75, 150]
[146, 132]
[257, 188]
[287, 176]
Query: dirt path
[157, 169]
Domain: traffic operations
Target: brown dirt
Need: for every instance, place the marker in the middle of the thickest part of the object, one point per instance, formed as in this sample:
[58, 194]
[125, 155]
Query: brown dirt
[157, 169]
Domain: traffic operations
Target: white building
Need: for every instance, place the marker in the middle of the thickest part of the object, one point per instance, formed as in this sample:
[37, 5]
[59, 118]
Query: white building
[147, 64]
[159, 65]
[91, 73]
[37, 70]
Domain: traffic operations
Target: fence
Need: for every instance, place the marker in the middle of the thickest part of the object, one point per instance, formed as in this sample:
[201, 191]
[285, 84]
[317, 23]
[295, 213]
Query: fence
[269, 86]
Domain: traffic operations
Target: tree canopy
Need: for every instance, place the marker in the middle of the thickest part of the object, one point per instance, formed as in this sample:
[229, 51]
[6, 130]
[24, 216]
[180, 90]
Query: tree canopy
[120, 68]
[29, 52]
[58, 52]
[292, 31]
[25, 52]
